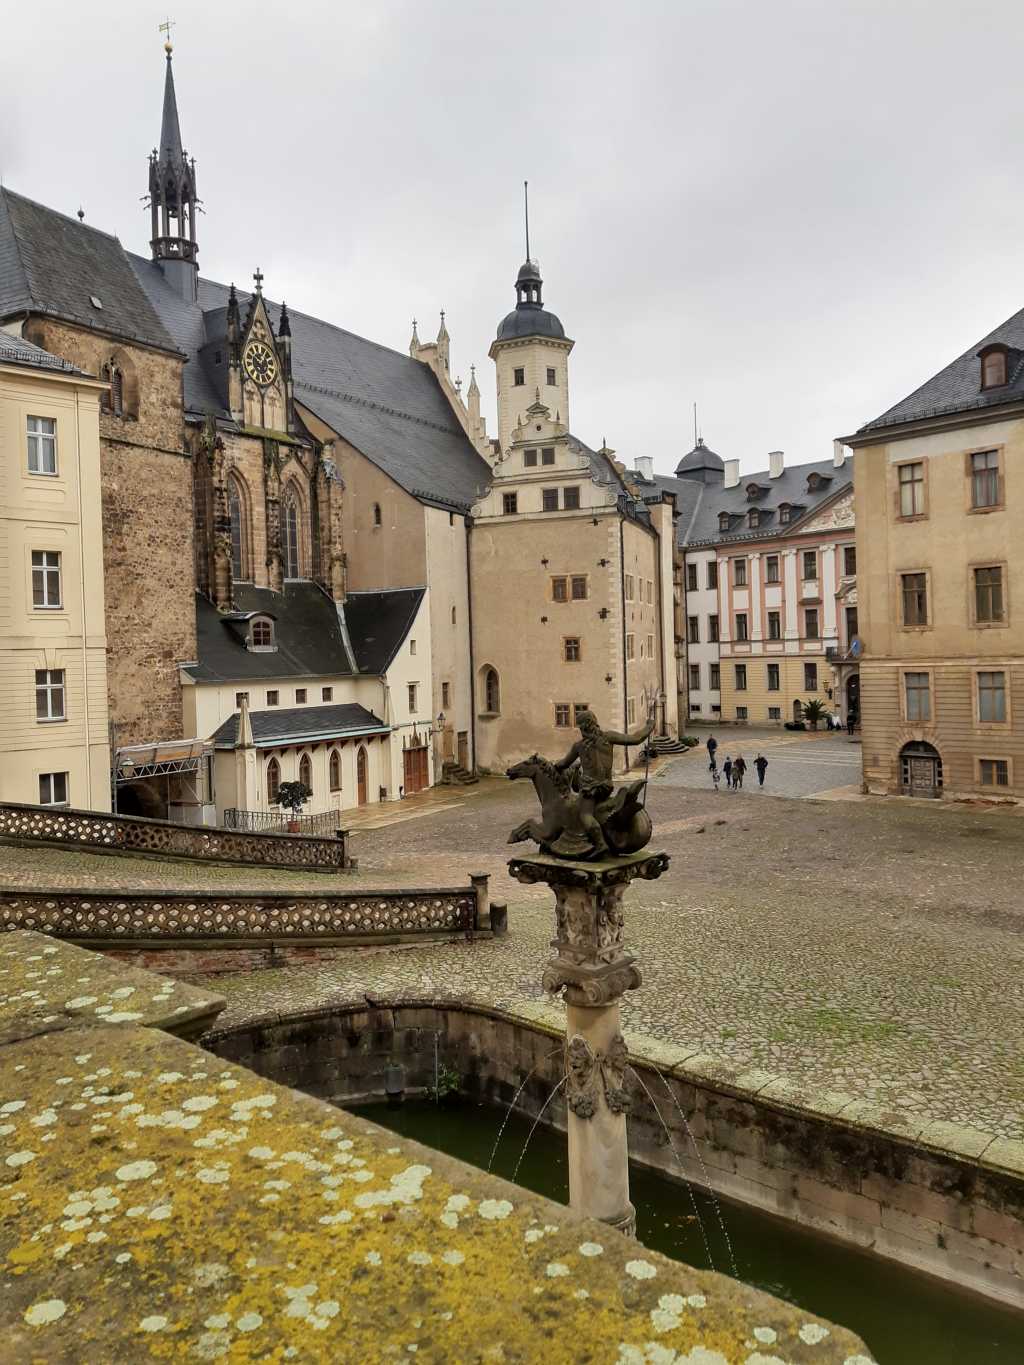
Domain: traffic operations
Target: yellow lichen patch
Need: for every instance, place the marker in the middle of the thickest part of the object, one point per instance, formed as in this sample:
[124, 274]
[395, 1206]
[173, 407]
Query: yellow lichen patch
[178, 1207]
[46, 984]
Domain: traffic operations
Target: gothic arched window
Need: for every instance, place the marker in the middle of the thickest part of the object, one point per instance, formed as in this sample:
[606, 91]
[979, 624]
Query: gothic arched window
[273, 780]
[335, 773]
[239, 531]
[290, 535]
[492, 691]
[306, 771]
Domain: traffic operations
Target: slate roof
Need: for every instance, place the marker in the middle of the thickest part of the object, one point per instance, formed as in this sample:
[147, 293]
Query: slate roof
[15, 351]
[55, 265]
[790, 487]
[387, 405]
[957, 388]
[301, 723]
[378, 623]
[699, 505]
[315, 637]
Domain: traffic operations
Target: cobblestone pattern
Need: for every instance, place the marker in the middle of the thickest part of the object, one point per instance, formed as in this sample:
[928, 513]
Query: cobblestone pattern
[89, 830]
[873, 949]
[102, 918]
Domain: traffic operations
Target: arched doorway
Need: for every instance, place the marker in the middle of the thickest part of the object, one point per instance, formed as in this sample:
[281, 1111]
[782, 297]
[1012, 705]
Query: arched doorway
[361, 776]
[798, 711]
[920, 770]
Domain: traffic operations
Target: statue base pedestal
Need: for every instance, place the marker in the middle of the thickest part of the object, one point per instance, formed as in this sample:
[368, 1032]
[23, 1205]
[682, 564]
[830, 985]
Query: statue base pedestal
[592, 969]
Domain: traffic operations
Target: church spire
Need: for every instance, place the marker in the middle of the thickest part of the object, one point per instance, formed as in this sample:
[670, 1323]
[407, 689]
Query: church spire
[172, 196]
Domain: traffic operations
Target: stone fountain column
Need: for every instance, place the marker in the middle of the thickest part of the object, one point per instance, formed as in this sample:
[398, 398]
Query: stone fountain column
[593, 969]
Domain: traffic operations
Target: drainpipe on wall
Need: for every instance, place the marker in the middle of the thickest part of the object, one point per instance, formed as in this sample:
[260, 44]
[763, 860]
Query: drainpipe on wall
[661, 625]
[81, 589]
[625, 662]
[472, 665]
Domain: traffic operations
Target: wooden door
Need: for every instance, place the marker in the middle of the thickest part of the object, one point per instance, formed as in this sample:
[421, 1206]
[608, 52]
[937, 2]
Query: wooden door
[448, 744]
[361, 775]
[424, 769]
[463, 749]
[923, 776]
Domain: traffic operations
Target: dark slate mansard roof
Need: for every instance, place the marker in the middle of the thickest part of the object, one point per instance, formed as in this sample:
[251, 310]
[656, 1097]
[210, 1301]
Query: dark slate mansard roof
[55, 265]
[387, 405]
[957, 388]
[301, 723]
[315, 636]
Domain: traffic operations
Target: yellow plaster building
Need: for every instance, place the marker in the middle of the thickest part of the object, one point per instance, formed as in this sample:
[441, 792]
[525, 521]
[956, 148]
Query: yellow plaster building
[53, 730]
[939, 501]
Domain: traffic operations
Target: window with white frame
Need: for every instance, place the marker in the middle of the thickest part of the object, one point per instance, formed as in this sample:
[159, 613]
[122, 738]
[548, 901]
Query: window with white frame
[562, 715]
[630, 646]
[715, 680]
[42, 445]
[695, 677]
[413, 689]
[631, 711]
[811, 677]
[53, 789]
[46, 589]
[50, 694]
[775, 713]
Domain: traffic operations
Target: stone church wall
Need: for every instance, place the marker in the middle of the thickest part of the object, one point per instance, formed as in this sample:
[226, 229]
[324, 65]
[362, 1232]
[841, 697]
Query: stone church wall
[146, 479]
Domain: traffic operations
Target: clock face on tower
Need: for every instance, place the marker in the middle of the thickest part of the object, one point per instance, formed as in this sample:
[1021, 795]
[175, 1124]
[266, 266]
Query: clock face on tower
[260, 363]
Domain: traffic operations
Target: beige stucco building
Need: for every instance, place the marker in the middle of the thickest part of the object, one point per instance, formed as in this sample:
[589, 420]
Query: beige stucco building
[571, 564]
[53, 731]
[939, 501]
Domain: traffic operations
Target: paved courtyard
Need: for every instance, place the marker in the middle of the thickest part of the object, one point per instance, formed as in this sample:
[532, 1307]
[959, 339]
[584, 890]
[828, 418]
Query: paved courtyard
[799, 764]
[874, 947]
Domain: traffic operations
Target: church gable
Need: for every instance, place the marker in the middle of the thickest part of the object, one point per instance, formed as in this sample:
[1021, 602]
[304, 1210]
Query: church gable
[262, 378]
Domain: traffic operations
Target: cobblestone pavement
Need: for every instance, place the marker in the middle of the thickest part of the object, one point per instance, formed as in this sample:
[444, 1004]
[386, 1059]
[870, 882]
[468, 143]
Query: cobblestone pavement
[874, 948]
[798, 765]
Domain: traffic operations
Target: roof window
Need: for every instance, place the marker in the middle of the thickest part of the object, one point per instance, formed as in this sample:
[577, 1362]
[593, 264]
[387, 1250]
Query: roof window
[261, 635]
[993, 367]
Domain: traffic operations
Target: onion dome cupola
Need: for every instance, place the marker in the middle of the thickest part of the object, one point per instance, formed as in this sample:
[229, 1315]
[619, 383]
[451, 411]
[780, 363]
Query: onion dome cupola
[529, 318]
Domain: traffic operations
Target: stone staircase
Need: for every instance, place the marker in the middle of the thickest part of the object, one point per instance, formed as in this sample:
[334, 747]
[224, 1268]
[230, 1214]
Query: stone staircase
[665, 744]
[453, 775]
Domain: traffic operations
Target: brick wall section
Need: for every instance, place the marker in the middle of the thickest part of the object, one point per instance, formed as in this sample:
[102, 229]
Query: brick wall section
[147, 532]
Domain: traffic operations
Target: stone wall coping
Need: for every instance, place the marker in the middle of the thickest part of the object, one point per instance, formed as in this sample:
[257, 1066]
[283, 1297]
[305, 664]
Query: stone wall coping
[226, 896]
[972, 1147]
[76, 812]
[227, 1216]
[49, 984]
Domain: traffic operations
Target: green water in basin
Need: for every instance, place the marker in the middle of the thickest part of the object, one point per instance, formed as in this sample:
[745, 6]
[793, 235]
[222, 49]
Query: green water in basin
[905, 1318]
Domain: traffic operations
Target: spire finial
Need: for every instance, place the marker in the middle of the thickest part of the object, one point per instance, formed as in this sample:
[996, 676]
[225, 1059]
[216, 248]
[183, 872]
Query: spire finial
[81, 214]
[165, 29]
[258, 277]
[284, 325]
[526, 214]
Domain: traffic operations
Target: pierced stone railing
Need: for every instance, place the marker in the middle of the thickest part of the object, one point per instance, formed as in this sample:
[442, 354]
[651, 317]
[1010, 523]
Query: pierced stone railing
[180, 918]
[101, 833]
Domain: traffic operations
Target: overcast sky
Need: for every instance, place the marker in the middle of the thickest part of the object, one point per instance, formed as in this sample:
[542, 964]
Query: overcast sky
[789, 213]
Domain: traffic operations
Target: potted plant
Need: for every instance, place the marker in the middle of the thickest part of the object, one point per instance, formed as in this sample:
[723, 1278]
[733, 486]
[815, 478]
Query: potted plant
[292, 796]
[447, 1083]
[813, 712]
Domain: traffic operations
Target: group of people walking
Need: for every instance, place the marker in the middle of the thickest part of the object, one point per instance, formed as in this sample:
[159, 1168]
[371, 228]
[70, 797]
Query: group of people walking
[733, 769]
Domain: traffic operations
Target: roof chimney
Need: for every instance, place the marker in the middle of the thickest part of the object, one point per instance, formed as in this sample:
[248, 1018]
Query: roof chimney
[776, 462]
[732, 473]
[838, 454]
[645, 467]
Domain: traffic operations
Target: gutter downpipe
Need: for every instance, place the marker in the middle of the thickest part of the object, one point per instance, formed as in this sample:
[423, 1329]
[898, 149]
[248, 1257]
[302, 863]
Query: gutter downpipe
[469, 627]
[625, 662]
[81, 589]
[661, 624]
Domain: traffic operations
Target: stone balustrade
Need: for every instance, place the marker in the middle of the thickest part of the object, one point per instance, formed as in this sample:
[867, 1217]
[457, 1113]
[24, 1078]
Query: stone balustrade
[98, 832]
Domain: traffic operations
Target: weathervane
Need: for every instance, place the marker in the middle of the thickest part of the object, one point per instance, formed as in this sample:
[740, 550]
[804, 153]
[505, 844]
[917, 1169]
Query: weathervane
[165, 29]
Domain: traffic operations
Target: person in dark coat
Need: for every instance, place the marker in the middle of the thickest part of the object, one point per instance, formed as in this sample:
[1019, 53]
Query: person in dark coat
[727, 772]
[761, 764]
[738, 769]
[712, 746]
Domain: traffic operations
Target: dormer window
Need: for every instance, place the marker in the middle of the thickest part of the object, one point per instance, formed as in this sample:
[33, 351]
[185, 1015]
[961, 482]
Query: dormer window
[785, 513]
[753, 517]
[723, 521]
[816, 481]
[261, 635]
[754, 490]
[993, 367]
